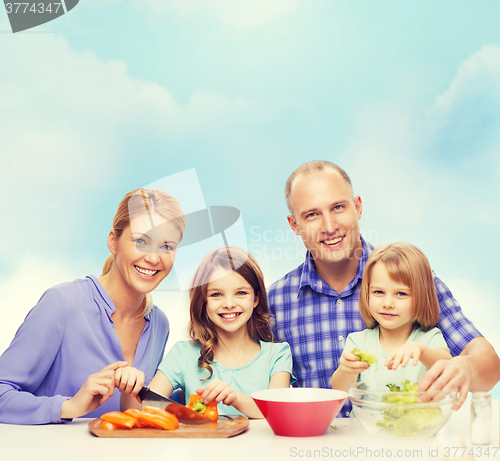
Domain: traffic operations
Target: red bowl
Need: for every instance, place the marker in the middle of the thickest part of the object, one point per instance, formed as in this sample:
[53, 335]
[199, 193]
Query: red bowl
[299, 412]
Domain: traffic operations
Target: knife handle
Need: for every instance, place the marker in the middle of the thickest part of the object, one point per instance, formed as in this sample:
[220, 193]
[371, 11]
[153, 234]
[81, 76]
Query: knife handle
[143, 393]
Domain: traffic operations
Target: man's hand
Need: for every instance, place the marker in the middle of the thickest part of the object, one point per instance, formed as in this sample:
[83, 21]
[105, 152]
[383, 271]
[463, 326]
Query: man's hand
[447, 374]
[477, 368]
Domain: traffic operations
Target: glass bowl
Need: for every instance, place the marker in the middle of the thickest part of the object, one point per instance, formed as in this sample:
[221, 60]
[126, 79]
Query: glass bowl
[401, 414]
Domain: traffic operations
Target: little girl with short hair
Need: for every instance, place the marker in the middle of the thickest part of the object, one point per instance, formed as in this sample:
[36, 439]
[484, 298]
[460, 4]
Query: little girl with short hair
[399, 306]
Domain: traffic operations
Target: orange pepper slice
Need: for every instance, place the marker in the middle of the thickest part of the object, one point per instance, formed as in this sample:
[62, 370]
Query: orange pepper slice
[160, 419]
[134, 412]
[107, 426]
[118, 417]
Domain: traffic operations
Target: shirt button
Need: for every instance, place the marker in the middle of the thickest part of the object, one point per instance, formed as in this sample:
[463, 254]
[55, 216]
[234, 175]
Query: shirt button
[339, 301]
[341, 338]
[347, 413]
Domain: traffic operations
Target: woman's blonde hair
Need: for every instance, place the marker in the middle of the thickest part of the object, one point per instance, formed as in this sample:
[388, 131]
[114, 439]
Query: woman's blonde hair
[202, 330]
[408, 265]
[136, 203]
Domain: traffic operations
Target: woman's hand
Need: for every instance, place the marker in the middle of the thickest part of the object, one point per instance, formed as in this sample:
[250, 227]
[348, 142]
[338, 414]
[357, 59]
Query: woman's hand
[129, 380]
[219, 391]
[407, 351]
[96, 390]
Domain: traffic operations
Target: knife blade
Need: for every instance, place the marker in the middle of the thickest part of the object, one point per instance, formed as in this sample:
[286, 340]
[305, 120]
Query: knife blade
[184, 414]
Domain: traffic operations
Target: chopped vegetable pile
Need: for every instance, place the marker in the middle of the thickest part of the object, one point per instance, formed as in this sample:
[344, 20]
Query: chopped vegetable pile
[156, 418]
[151, 417]
[408, 422]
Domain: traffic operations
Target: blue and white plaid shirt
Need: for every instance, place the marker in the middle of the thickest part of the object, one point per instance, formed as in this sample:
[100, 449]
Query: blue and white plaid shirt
[316, 320]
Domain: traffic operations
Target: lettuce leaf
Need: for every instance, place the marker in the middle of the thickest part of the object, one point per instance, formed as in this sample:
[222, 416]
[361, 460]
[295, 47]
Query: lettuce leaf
[408, 422]
[365, 357]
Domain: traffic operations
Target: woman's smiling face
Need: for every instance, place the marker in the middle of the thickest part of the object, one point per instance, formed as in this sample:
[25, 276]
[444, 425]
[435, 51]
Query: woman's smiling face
[144, 256]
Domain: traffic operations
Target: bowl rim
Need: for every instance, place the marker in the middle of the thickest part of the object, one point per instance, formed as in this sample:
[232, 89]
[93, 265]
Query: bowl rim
[356, 385]
[270, 395]
[355, 394]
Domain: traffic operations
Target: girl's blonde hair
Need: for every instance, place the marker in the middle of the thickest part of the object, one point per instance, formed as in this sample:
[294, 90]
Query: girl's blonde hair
[408, 265]
[136, 203]
[202, 330]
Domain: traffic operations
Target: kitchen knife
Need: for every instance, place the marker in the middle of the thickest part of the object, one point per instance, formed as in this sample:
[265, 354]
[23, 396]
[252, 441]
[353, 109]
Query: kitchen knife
[184, 414]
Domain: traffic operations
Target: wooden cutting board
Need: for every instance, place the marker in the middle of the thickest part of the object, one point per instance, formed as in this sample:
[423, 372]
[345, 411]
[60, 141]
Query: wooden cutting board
[226, 426]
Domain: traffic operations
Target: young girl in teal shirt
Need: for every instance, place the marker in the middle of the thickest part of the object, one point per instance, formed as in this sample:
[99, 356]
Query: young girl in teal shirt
[231, 352]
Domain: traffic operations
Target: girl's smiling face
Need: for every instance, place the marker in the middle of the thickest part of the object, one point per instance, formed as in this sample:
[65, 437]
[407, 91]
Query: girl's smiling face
[390, 302]
[230, 301]
[144, 256]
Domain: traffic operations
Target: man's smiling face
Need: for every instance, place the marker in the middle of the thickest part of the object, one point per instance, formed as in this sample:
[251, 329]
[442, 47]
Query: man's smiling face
[326, 216]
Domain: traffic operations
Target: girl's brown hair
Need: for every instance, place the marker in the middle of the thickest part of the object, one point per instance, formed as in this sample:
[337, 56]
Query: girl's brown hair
[408, 265]
[136, 203]
[202, 330]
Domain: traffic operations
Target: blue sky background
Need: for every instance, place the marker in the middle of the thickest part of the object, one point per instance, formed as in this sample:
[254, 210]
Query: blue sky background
[405, 96]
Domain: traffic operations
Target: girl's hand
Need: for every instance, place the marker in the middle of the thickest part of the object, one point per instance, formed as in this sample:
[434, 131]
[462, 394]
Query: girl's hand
[219, 391]
[406, 352]
[96, 390]
[129, 380]
[352, 364]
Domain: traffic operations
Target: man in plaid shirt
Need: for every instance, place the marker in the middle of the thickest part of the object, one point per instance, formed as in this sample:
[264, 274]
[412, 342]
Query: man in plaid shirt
[315, 306]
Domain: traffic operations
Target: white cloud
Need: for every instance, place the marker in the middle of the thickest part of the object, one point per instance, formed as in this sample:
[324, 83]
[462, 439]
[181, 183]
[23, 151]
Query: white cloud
[241, 14]
[436, 168]
[23, 287]
[476, 86]
[64, 116]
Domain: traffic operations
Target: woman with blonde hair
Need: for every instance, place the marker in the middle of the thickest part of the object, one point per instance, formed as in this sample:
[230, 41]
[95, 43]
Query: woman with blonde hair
[82, 337]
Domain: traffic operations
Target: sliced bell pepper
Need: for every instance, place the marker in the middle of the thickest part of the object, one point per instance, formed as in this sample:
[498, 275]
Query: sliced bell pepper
[209, 410]
[107, 426]
[156, 417]
[134, 412]
[118, 417]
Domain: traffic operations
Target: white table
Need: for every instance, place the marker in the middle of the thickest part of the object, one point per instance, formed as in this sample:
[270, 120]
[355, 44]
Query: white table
[349, 442]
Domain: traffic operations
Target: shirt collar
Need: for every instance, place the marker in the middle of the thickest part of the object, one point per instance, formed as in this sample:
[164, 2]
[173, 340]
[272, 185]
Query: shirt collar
[110, 306]
[310, 277]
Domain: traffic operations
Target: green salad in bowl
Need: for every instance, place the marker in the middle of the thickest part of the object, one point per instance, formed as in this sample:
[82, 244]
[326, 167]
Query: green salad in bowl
[399, 410]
